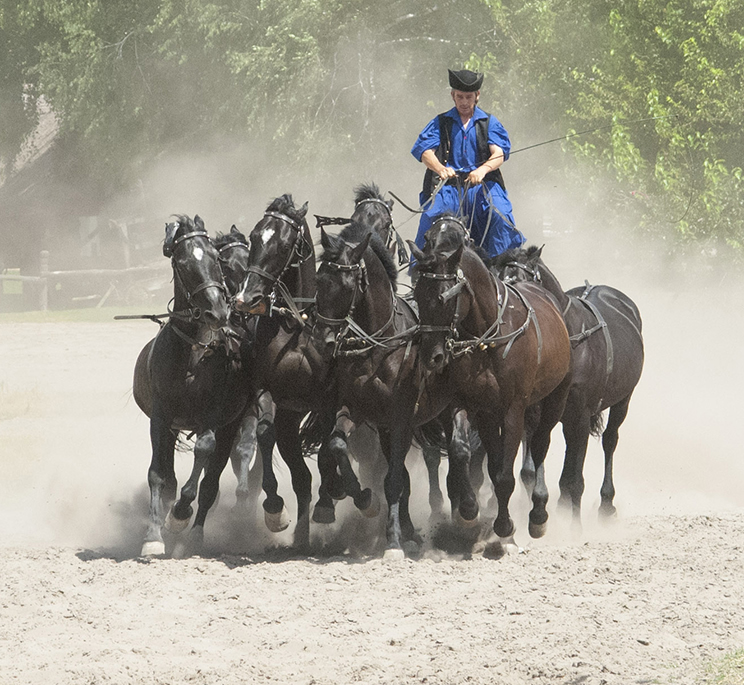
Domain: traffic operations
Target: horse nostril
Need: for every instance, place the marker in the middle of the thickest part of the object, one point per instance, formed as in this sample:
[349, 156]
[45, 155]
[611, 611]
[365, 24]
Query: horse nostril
[437, 360]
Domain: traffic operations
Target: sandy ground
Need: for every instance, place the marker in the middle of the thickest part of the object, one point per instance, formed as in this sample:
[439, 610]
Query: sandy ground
[654, 598]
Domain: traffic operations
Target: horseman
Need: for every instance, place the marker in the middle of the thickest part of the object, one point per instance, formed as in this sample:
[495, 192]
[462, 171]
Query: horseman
[463, 150]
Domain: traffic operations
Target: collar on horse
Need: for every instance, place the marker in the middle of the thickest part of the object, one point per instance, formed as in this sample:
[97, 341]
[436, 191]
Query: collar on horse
[490, 339]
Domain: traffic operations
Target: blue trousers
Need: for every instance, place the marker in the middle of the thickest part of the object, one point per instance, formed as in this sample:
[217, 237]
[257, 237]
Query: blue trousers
[496, 235]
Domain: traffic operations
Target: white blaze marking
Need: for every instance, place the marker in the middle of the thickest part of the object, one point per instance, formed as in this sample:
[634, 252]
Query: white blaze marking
[198, 253]
[266, 235]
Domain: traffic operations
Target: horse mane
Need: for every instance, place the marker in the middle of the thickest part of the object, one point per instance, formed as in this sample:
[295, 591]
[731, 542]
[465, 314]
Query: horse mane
[184, 220]
[223, 239]
[520, 255]
[367, 191]
[284, 204]
[355, 233]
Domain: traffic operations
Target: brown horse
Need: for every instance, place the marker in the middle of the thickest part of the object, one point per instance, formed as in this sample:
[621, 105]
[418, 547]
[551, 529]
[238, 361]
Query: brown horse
[506, 350]
[607, 360]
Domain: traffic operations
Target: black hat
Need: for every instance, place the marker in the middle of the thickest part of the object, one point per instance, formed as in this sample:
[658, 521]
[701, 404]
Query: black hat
[465, 80]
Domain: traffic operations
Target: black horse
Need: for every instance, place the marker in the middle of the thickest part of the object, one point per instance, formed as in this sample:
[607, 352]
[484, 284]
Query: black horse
[280, 288]
[255, 435]
[607, 360]
[371, 333]
[506, 350]
[188, 379]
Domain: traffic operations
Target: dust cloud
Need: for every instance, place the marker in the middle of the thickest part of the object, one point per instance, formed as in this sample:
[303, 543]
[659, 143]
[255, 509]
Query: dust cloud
[76, 448]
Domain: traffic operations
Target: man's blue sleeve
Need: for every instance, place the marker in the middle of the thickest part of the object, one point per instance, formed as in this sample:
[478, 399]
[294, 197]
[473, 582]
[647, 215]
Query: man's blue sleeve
[497, 135]
[428, 139]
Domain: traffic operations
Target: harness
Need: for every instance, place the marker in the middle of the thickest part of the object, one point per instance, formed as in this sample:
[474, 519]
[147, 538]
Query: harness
[444, 151]
[491, 338]
[351, 338]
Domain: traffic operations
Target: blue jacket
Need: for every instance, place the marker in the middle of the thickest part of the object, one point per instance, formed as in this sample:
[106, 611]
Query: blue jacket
[464, 148]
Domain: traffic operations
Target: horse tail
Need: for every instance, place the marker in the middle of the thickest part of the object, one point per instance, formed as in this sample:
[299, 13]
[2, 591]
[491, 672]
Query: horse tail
[596, 424]
[431, 434]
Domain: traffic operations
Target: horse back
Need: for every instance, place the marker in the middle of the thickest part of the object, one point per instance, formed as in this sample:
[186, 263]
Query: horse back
[551, 347]
[624, 358]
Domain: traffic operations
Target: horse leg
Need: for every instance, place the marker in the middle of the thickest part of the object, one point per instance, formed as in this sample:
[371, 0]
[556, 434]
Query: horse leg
[432, 458]
[502, 447]
[527, 473]
[180, 513]
[462, 497]
[331, 486]
[618, 412]
[576, 431]
[276, 517]
[209, 489]
[287, 425]
[364, 499]
[161, 479]
[240, 458]
[550, 412]
[395, 443]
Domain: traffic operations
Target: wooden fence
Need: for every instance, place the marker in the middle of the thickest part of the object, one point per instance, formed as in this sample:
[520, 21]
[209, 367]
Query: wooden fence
[46, 278]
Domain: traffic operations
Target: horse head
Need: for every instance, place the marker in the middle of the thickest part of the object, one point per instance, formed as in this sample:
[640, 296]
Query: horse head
[439, 280]
[279, 242]
[373, 211]
[519, 264]
[233, 250]
[342, 281]
[199, 285]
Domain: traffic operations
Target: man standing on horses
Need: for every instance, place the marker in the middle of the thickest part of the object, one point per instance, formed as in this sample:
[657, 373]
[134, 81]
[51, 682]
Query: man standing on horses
[463, 150]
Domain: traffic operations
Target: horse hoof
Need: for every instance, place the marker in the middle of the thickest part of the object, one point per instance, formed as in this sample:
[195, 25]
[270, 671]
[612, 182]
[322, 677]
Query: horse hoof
[462, 522]
[394, 554]
[180, 550]
[175, 525]
[537, 530]
[509, 546]
[153, 548]
[323, 514]
[373, 508]
[278, 522]
[607, 513]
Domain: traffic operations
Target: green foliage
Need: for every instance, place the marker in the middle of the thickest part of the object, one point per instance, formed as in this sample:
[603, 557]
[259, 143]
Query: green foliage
[679, 62]
[319, 79]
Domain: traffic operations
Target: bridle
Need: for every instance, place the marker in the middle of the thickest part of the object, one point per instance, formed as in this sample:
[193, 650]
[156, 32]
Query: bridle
[533, 273]
[279, 289]
[193, 313]
[360, 286]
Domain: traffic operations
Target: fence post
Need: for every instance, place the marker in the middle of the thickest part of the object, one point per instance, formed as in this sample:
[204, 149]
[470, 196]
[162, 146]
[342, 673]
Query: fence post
[44, 282]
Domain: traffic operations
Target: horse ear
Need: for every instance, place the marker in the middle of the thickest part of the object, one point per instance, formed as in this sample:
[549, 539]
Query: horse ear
[538, 252]
[199, 223]
[325, 239]
[418, 254]
[234, 229]
[390, 204]
[302, 210]
[359, 250]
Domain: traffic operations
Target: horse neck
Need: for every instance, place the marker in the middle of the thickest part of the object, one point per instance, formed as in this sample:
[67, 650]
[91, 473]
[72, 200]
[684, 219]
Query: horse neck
[484, 293]
[552, 285]
[300, 279]
[375, 309]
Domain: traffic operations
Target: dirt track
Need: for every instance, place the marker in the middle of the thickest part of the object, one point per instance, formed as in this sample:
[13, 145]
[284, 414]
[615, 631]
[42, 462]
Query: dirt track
[654, 598]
